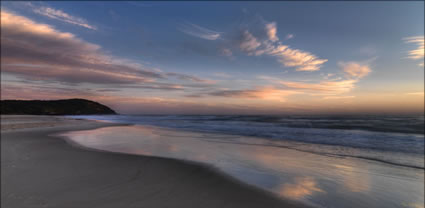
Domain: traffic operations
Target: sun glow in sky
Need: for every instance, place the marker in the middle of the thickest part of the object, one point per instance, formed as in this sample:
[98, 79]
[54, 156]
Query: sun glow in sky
[217, 57]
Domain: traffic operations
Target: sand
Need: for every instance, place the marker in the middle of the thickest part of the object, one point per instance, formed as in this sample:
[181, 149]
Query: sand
[38, 170]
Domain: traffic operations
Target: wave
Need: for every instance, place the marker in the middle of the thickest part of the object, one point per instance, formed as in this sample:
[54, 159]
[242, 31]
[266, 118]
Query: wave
[403, 145]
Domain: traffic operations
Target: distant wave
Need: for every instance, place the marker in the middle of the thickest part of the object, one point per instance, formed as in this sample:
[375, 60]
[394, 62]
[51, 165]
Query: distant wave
[400, 124]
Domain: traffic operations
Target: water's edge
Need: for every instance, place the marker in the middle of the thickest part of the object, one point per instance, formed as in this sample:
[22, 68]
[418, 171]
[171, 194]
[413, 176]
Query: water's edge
[206, 166]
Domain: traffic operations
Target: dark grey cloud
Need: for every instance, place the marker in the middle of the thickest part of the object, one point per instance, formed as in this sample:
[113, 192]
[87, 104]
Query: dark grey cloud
[37, 51]
[189, 78]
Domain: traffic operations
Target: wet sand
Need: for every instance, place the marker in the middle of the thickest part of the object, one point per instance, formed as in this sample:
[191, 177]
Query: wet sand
[295, 171]
[38, 170]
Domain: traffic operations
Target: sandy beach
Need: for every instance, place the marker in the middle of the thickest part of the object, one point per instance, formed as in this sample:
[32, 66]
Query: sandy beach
[39, 170]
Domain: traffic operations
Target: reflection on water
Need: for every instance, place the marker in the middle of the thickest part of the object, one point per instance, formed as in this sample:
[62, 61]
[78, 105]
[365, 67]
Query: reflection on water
[354, 181]
[413, 205]
[319, 180]
[303, 186]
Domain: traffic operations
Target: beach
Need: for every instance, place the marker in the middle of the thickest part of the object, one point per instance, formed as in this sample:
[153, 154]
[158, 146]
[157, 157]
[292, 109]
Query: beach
[42, 170]
[306, 159]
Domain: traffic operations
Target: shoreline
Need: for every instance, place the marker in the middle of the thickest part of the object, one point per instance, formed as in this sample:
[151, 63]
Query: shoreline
[40, 169]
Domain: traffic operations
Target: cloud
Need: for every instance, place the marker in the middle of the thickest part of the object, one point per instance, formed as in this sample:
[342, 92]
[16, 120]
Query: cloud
[303, 61]
[154, 86]
[37, 51]
[337, 97]
[222, 75]
[200, 32]
[249, 43]
[189, 78]
[330, 88]
[119, 102]
[354, 70]
[271, 31]
[226, 52]
[289, 36]
[416, 93]
[266, 93]
[12, 91]
[289, 57]
[62, 16]
[327, 87]
[417, 53]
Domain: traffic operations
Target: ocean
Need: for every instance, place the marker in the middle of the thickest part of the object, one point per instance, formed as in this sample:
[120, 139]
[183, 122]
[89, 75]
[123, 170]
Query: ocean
[380, 138]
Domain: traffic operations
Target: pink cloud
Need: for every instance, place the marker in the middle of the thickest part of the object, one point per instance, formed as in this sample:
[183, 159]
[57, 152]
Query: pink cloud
[355, 70]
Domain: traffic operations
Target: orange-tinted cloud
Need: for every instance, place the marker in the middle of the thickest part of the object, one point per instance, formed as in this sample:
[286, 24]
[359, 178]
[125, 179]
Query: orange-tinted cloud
[338, 97]
[266, 93]
[271, 30]
[249, 43]
[301, 60]
[326, 87]
[416, 93]
[355, 70]
[289, 57]
[38, 51]
[417, 53]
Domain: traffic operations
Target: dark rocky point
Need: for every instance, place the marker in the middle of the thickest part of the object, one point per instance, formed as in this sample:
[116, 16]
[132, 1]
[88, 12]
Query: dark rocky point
[54, 107]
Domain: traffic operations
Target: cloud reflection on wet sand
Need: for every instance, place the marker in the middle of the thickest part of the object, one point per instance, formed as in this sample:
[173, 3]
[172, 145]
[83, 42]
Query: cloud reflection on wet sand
[291, 174]
[302, 187]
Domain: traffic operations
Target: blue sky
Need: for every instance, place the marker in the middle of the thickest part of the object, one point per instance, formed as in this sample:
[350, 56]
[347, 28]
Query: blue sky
[261, 57]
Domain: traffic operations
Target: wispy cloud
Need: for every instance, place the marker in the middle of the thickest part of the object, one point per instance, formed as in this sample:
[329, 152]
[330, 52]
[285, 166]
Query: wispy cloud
[62, 16]
[120, 102]
[326, 87]
[271, 30]
[266, 93]
[354, 69]
[416, 93]
[302, 60]
[289, 36]
[417, 53]
[200, 32]
[189, 78]
[226, 52]
[39, 51]
[338, 97]
[36, 51]
[289, 57]
[249, 43]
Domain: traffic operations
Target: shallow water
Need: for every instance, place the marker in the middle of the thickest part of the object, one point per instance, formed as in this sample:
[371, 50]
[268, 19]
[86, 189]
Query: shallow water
[289, 169]
[397, 140]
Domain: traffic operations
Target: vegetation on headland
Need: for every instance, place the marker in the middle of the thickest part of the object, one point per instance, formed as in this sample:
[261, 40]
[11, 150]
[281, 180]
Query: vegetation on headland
[54, 107]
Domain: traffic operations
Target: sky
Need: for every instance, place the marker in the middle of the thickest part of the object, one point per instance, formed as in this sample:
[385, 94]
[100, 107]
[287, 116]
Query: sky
[218, 57]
